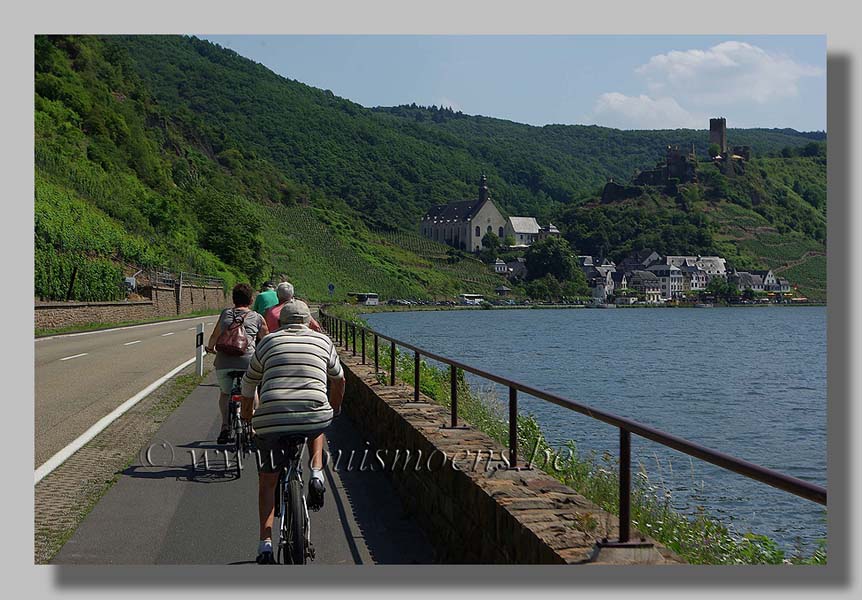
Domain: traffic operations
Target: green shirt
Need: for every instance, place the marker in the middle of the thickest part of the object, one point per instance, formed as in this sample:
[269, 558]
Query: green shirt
[265, 300]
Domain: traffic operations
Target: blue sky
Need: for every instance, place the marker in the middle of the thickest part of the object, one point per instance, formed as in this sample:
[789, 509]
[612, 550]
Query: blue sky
[629, 82]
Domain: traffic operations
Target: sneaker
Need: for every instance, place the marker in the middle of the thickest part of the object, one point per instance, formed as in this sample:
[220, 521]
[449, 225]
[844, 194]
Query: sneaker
[315, 494]
[223, 437]
[265, 558]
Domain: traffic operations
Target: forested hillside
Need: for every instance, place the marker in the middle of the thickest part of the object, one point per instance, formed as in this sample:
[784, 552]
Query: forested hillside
[188, 156]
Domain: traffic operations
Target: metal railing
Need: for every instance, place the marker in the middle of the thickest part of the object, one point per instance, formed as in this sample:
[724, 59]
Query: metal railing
[343, 331]
[165, 278]
[196, 279]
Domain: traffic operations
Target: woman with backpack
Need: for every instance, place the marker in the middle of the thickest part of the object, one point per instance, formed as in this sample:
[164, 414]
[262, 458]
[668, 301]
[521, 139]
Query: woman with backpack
[236, 332]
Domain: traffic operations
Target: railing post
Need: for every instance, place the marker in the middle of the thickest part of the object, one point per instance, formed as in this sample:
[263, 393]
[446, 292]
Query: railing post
[453, 392]
[513, 428]
[625, 484]
[376, 356]
[346, 336]
[353, 331]
[415, 377]
[362, 329]
[392, 363]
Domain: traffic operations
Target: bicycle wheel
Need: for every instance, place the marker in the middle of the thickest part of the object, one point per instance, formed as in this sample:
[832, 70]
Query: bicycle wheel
[295, 524]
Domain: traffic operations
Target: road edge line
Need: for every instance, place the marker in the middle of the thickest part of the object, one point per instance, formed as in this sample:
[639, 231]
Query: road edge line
[51, 336]
[60, 457]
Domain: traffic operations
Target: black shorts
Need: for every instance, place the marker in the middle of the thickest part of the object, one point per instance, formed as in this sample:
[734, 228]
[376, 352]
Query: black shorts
[275, 452]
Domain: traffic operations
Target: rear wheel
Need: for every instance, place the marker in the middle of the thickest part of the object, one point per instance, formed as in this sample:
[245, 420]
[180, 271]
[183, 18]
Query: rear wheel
[295, 524]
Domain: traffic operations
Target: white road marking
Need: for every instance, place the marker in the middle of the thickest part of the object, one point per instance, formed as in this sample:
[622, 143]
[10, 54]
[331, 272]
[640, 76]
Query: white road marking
[130, 343]
[166, 334]
[75, 356]
[66, 335]
[61, 457]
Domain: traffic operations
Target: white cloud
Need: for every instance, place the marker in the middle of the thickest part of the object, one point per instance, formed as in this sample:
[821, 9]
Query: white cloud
[684, 86]
[614, 109]
[728, 73]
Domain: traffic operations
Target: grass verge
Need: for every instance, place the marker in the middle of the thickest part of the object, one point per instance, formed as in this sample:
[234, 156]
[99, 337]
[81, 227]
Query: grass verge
[95, 326]
[66, 496]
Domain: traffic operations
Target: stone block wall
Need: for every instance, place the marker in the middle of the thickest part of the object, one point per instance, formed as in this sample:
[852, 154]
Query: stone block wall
[200, 298]
[55, 314]
[476, 511]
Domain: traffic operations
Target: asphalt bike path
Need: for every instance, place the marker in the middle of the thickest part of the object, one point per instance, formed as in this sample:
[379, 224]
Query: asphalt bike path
[80, 378]
[175, 513]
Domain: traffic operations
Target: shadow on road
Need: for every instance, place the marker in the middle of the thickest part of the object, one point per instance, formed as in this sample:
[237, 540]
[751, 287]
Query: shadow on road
[390, 534]
[182, 474]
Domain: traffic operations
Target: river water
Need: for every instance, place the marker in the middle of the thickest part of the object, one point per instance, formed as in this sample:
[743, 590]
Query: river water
[749, 382]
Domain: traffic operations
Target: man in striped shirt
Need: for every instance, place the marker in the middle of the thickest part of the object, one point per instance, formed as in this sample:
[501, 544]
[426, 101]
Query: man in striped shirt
[290, 369]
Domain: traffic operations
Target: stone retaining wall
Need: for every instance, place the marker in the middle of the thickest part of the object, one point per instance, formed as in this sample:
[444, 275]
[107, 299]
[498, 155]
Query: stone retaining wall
[160, 302]
[470, 513]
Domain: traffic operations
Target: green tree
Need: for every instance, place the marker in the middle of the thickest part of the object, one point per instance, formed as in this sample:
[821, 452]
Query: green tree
[545, 288]
[714, 150]
[491, 241]
[551, 256]
[491, 247]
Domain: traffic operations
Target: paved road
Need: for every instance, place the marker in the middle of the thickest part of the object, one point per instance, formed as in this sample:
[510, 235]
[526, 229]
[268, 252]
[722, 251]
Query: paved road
[173, 514]
[80, 378]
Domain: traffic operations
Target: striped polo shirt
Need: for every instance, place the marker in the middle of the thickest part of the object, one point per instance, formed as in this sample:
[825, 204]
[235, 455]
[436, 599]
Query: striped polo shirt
[290, 368]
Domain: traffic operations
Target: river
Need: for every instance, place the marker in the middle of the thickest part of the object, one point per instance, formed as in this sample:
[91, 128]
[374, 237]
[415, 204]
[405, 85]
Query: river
[750, 382]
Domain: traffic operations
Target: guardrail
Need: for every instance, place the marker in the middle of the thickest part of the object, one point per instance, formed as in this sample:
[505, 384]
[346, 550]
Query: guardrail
[344, 331]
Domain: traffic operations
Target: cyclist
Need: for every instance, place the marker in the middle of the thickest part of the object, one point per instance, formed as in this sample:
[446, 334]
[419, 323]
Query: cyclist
[265, 299]
[284, 291]
[225, 365]
[291, 368]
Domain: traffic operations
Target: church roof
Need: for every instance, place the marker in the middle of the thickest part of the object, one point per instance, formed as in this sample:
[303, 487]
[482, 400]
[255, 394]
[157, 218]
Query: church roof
[456, 211]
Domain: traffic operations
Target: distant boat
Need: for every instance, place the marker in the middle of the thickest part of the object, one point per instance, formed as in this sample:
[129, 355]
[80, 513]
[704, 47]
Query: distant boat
[703, 305]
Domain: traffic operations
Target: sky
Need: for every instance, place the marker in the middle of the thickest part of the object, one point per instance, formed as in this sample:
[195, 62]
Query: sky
[628, 82]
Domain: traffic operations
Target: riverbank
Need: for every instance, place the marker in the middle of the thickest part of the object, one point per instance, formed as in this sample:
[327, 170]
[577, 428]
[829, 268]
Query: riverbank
[422, 307]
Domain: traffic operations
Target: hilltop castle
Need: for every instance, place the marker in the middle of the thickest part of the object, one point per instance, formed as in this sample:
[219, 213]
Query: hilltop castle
[681, 167]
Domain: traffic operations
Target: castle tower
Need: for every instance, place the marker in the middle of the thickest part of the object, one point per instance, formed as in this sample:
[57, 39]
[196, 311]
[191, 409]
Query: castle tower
[483, 188]
[718, 133]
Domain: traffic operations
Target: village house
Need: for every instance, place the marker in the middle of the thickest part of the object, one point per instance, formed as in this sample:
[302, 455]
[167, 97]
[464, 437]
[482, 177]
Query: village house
[463, 224]
[646, 284]
[524, 230]
[670, 278]
[517, 269]
[639, 260]
[759, 281]
[549, 231]
[713, 266]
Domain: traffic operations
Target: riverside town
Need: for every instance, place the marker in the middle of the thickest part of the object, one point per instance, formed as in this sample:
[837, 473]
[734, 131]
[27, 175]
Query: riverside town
[285, 314]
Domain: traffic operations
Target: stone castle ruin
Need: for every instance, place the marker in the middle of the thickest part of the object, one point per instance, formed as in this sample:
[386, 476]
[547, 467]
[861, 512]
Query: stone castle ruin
[681, 167]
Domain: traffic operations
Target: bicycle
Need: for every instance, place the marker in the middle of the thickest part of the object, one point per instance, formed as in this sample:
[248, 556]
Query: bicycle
[294, 540]
[240, 428]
